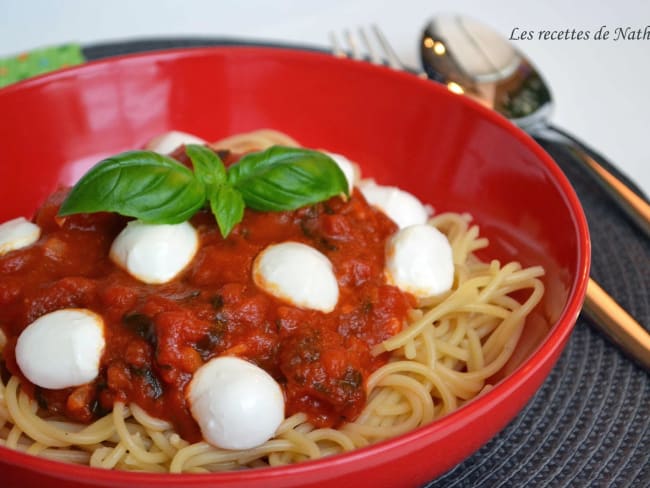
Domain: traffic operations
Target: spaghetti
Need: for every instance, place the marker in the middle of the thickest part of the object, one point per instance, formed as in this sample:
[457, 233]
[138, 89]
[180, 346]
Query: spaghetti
[446, 355]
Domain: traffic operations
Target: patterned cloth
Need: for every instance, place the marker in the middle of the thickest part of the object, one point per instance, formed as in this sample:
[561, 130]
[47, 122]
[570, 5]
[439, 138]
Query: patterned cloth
[39, 61]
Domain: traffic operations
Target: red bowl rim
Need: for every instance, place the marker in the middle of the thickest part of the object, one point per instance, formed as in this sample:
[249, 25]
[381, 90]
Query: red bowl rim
[545, 354]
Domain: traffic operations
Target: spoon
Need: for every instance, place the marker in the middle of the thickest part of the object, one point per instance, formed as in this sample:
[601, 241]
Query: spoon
[472, 59]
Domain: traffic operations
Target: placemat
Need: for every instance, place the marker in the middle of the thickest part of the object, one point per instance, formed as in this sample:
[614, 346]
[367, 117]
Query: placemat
[589, 425]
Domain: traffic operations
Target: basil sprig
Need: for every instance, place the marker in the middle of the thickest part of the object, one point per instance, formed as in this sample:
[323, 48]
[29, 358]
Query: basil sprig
[285, 178]
[158, 189]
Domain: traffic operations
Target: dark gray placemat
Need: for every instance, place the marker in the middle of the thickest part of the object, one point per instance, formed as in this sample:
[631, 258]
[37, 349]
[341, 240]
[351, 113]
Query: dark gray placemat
[589, 425]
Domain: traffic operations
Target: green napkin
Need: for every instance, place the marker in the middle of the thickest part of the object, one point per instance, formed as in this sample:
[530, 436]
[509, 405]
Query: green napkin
[39, 61]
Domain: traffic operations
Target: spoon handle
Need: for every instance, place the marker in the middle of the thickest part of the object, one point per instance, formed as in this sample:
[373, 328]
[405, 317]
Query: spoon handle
[635, 206]
[615, 323]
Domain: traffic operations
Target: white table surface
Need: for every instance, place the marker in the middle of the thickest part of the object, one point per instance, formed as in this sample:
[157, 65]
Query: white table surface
[601, 87]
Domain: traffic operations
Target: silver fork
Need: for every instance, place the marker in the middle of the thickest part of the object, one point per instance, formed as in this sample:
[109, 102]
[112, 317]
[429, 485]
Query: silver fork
[362, 48]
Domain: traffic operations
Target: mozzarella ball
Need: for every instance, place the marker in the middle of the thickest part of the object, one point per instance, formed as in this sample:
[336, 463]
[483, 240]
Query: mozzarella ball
[61, 349]
[297, 274]
[155, 253]
[17, 233]
[419, 261]
[236, 404]
[346, 167]
[402, 207]
[169, 141]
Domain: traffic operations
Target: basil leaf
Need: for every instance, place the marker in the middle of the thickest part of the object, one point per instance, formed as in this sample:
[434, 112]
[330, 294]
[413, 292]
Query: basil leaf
[141, 184]
[286, 178]
[227, 205]
[208, 167]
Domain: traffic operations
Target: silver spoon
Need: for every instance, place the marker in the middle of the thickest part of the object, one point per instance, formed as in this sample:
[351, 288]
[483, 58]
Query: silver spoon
[470, 57]
[473, 59]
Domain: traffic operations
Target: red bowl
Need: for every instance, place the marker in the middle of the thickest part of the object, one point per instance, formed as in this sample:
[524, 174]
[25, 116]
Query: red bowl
[444, 148]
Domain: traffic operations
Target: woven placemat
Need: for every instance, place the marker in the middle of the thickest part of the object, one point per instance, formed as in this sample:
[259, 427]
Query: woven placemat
[589, 425]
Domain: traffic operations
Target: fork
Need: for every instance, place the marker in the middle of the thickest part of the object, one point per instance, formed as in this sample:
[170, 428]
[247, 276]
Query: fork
[605, 313]
[363, 49]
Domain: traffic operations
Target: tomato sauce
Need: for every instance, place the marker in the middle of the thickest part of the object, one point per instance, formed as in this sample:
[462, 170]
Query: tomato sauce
[158, 335]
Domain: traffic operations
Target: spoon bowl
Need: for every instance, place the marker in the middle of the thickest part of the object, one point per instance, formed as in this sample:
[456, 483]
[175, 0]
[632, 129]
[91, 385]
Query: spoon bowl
[463, 52]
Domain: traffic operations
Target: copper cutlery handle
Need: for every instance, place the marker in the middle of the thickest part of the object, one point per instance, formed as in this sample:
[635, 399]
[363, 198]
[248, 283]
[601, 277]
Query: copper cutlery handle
[618, 325]
[634, 206]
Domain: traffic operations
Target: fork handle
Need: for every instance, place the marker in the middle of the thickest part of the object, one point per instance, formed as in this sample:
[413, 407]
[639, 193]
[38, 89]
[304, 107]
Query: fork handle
[615, 323]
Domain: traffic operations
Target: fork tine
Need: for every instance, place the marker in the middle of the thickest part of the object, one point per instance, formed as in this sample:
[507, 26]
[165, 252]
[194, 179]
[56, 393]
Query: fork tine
[384, 55]
[336, 47]
[350, 48]
[355, 52]
[372, 53]
[391, 56]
